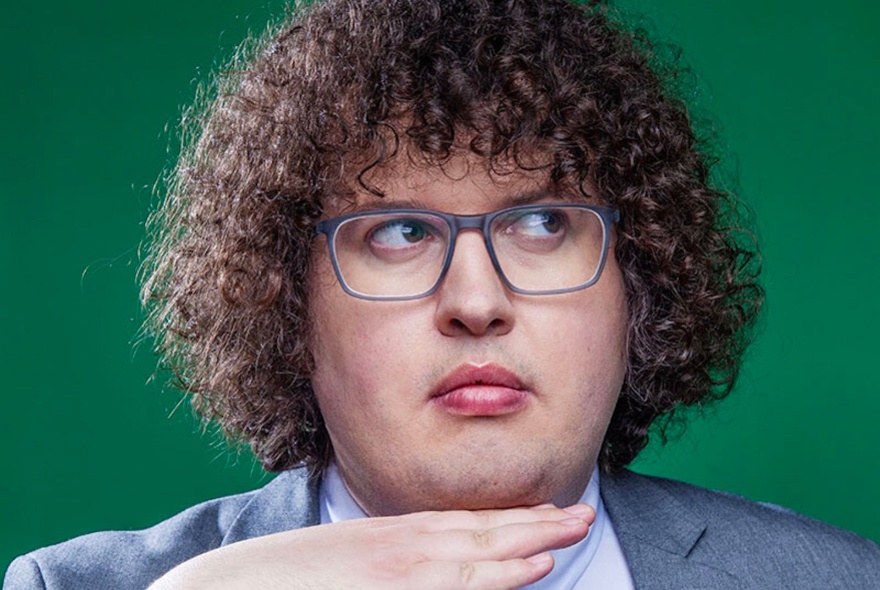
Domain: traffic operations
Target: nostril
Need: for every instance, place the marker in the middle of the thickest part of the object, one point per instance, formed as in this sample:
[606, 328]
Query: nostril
[495, 325]
[476, 326]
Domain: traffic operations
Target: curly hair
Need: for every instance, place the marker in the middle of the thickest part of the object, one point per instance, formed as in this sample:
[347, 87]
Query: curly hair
[318, 103]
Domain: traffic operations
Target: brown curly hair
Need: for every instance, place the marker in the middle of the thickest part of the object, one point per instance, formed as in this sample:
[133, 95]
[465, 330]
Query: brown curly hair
[317, 104]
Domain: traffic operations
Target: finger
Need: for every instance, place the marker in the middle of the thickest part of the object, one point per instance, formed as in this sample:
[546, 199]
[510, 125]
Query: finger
[485, 519]
[480, 575]
[519, 540]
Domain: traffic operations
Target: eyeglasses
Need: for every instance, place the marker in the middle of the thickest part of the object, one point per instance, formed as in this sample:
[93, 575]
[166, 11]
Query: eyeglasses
[400, 254]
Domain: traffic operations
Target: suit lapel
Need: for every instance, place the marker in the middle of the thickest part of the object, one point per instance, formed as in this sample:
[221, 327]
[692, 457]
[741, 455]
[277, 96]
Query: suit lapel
[658, 535]
[290, 501]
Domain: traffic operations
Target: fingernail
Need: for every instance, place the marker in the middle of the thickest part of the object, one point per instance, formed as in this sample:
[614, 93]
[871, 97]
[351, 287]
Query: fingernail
[579, 510]
[573, 521]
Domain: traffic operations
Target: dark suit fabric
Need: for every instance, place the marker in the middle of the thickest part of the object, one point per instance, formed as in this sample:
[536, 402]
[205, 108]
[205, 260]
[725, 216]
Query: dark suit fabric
[674, 536]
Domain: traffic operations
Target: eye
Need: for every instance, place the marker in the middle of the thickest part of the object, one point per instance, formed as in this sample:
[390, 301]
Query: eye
[398, 233]
[538, 223]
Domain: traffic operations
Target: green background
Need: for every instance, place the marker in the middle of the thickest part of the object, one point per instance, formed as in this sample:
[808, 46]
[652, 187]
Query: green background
[92, 91]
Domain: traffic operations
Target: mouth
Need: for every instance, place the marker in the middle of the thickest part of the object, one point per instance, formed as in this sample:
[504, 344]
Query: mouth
[481, 390]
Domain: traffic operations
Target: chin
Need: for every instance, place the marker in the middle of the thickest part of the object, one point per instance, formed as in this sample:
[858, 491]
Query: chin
[492, 500]
[472, 479]
[482, 487]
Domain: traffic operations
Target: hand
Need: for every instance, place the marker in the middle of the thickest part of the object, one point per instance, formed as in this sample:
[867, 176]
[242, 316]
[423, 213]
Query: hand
[485, 550]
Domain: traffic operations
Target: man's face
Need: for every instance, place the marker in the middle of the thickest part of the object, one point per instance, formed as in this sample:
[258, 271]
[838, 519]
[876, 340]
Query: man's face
[551, 369]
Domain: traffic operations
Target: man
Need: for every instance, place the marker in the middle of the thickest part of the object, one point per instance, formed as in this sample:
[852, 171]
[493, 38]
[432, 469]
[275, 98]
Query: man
[443, 263]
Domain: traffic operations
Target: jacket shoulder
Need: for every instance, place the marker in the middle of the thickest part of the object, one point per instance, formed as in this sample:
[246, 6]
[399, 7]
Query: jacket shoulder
[127, 559]
[134, 559]
[732, 516]
[763, 545]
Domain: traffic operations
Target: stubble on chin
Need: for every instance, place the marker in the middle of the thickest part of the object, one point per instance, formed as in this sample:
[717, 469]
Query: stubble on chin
[491, 483]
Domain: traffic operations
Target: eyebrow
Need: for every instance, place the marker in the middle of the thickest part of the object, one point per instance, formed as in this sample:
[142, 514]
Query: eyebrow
[524, 198]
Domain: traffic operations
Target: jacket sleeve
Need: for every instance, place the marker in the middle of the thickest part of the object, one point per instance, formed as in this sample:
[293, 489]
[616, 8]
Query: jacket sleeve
[24, 574]
[132, 560]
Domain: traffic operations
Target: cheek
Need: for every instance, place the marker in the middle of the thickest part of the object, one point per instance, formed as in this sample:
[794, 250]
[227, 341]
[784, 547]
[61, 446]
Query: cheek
[338, 333]
[357, 347]
[589, 347]
[590, 325]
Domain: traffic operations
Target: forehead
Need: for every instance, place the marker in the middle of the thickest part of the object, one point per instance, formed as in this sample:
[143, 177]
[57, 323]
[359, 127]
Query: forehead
[461, 184]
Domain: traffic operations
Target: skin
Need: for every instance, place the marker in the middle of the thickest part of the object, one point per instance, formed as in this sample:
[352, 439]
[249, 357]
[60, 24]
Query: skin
[487, 550]
[473, 495]
[378, 362]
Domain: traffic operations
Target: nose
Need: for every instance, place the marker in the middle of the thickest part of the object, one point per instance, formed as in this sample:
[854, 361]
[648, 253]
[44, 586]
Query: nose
[472, 299]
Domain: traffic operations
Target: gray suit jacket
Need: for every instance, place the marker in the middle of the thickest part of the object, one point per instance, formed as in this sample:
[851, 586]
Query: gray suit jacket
[674, 536]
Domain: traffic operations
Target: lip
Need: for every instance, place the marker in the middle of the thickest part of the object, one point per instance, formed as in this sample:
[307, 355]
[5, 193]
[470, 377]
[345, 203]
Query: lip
[481, 390]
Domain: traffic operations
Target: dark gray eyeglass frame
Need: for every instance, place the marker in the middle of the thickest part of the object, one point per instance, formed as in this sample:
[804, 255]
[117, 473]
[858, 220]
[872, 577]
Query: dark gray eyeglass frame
[456, 223]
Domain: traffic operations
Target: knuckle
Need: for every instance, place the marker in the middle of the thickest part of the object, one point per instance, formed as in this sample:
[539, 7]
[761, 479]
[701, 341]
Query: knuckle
[466, 573]
[483, 518]
[483, 538]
